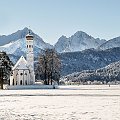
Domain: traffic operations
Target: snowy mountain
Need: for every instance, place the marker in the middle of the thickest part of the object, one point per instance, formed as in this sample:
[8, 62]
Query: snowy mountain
[5, 39]
[72, 61]
[115, 42]
[16, 43]
[77, 42]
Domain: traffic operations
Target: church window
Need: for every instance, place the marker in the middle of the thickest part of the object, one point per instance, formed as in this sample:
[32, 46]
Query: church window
[20, 82]
[13, 81]
[21, 74]
[27, 46]
[25, 73]
[26, 82]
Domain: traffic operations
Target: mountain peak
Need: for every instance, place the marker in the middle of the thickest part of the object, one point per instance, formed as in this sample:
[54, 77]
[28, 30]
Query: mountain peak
[62, 37]
[15, 43]
[26, 29]
[81, 34]
[5, 39]
[77, 42]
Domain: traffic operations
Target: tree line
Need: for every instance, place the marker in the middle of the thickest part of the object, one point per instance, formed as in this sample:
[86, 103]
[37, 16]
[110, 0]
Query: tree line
[47, 69]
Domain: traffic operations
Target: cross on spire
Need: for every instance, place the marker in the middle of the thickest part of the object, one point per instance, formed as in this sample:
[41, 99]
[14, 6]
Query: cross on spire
[29, 30]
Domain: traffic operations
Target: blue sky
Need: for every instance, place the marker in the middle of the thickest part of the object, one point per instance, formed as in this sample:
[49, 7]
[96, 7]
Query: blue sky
[51, 19]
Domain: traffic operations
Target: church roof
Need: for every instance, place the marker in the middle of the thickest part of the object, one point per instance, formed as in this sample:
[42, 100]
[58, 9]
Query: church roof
[21, 64]
[29, 34]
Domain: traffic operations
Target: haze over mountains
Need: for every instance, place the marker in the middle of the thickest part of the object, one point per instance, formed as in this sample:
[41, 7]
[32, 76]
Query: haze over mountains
[78, 52]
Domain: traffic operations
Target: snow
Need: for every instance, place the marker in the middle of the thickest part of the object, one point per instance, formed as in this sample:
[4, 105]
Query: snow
[21, 64]
[36, 86]
[11, 48]
[67, 103]
[77, 42]
[7, 45]
[16, 43]
[115, 42]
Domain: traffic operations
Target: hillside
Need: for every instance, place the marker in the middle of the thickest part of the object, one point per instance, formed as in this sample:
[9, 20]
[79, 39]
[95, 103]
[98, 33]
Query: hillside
[108, 73]
[90, 59]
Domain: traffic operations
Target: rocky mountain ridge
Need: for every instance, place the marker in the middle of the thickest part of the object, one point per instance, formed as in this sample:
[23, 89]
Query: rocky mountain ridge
[77, 42]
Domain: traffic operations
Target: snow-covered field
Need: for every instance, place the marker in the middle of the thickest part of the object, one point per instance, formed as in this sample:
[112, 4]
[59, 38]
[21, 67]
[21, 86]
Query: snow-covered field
[95, 102]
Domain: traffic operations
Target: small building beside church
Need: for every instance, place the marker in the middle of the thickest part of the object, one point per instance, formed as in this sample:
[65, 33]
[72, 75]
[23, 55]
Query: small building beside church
[23, 70]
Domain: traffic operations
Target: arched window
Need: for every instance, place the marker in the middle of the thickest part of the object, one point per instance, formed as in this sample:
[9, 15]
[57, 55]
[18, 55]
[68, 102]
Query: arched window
[21, 73]
[25, 82]
[13, 81]
[20, 82]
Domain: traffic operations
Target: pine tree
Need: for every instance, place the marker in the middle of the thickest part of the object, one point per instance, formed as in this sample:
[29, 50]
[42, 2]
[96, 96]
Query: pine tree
[5, 68]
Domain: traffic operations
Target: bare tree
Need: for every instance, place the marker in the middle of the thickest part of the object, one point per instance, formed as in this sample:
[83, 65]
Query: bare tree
[49, 66]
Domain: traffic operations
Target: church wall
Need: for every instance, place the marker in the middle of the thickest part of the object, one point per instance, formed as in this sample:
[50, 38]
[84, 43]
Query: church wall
[11, 80]
[20, 77]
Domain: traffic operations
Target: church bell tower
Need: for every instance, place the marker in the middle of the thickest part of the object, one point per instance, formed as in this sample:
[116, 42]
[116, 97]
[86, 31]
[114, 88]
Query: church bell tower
[30, 55]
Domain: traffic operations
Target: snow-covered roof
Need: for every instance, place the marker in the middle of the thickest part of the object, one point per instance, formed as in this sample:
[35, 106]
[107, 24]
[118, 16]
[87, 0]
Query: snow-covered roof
[21, 64]
[29, 34]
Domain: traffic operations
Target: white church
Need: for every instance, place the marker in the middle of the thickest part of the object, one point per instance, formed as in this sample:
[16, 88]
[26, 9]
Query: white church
[23, 71]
